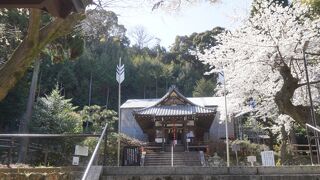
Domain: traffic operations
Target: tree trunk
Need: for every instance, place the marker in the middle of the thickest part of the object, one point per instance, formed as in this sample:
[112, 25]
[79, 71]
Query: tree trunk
[301, 114]
[24, 122]
[292, 137]
[39, 85]
[156, 87]
[271, 140]
[107, 100]
[36, 39]
[283, 148]
[90, 89]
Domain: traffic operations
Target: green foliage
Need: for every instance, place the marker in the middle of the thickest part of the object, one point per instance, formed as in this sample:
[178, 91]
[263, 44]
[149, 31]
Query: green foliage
[13, 25]
[101, 25]
[190, 69]
[204, 88]
[65, 48]
[14, 105]
[314, 3]
[149, 72]
[248, 148]
[99, 116]
[112, 146]
[54, 114]
[196, 41]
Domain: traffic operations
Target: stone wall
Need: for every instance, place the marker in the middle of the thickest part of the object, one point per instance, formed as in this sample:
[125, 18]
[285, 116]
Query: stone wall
[209, 173]
[62, 173]
[167, 173]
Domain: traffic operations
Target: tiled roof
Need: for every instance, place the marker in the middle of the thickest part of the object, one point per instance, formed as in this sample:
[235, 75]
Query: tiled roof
[200, 101]
[177, 110]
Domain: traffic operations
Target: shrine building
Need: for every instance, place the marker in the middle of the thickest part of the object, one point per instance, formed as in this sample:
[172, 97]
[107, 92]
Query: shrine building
[174, 119]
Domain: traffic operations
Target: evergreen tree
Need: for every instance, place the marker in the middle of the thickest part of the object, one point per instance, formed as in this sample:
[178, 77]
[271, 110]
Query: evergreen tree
[55, 114]
[204, 88]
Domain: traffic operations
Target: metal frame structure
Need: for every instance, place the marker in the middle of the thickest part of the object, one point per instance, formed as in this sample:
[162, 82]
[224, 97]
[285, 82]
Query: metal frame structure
[312, 113]
[310, 138]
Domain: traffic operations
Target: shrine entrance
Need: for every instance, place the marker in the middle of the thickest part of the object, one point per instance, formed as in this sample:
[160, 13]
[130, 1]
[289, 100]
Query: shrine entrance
[174, 135]
[175, 120]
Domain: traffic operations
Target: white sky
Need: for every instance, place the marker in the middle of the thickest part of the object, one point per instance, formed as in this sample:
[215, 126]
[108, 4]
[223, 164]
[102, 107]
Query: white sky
[194, 18]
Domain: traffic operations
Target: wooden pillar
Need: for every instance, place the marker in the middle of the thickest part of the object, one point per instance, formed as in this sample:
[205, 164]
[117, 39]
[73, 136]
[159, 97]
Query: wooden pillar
[184, 134]
[163, 134]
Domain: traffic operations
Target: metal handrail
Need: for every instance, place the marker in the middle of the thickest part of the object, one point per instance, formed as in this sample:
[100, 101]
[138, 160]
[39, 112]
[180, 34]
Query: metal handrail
[312, 127]
[316, 131]
[84, 177]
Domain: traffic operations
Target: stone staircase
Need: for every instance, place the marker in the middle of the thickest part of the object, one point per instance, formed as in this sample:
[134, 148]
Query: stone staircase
[179, 159]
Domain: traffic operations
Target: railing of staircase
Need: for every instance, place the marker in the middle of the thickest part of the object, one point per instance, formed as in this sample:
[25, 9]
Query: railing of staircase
[84, 177]
[171, 155]
[316, 130]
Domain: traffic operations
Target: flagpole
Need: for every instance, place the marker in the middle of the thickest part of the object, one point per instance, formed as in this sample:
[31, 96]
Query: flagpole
[119, 114]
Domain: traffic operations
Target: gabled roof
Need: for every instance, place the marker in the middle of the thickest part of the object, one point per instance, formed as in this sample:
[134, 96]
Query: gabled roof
[173, 98]
[173, 103]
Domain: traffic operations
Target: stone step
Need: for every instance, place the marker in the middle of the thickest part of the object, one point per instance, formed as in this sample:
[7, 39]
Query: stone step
[174, 162]
[179, 159]
[175, 165]
[176, 153]
[169, 159]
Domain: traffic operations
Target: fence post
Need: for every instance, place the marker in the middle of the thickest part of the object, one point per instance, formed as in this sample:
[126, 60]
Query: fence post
[10, 151]
[309, 142]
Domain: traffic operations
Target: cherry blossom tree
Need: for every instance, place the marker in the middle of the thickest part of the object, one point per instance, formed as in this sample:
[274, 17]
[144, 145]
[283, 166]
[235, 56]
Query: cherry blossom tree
[263, 59]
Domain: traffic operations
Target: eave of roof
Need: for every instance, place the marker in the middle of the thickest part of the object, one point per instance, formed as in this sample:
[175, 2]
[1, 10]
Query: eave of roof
[179, 110]
[200, 101]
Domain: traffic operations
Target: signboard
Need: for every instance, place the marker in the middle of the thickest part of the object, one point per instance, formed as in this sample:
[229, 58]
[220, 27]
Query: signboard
[252, 159]
[75, 160]
[159, 140]
[190, 123]
[81, 150]
[131, 156]
[267, 158]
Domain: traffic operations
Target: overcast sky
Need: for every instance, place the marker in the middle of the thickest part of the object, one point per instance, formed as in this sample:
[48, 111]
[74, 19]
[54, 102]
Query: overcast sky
[196, 18]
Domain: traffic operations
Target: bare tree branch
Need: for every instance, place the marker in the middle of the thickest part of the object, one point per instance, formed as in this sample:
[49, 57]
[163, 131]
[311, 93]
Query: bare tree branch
[305, 83]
